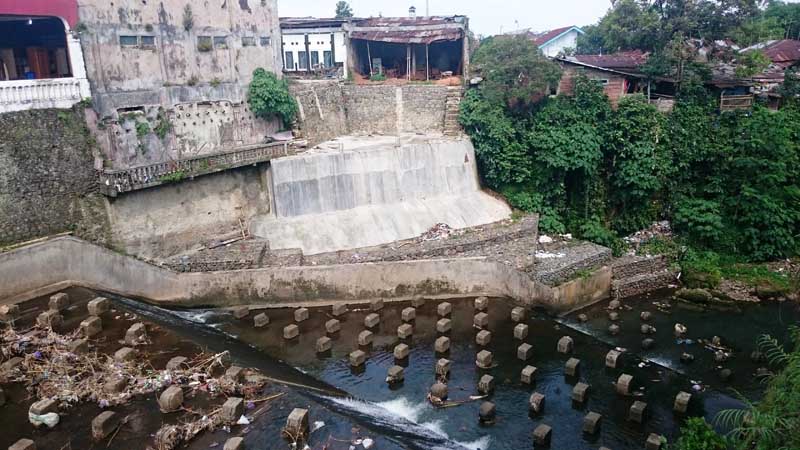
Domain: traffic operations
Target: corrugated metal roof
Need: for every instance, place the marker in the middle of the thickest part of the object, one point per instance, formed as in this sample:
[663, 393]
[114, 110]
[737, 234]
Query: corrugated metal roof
[409, 36]
[409, 30]
[621, 61]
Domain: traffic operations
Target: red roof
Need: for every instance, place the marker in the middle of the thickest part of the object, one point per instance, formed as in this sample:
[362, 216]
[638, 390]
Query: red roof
[785, 50]
[547, 36]
[619, 61]
[65, 9]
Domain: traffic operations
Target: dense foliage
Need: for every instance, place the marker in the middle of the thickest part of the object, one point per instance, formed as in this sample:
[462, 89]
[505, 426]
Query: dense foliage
[729, 182]
[697, 434]
[343, 10]
[269, 97]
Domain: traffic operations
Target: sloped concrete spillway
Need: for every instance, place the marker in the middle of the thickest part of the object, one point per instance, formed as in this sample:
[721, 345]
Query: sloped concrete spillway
[362, 191]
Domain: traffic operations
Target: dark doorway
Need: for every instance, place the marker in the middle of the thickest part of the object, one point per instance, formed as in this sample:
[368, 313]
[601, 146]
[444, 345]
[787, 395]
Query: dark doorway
[33, 48]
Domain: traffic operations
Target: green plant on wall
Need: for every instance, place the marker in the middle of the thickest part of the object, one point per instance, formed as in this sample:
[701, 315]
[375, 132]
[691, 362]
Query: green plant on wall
[142, 129]
[188, 18]
[163, 125]
[269, 97]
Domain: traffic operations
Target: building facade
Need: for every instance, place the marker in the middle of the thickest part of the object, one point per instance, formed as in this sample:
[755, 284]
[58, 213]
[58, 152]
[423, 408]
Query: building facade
[555, 42]
[314, 47]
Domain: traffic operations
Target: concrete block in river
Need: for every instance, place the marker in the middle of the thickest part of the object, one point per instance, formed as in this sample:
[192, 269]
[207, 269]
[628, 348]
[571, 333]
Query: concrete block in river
[50, 319]
[521, 331]
[78, 345]
[372, 320]
[333, 326]
[115, 385]
[9, 313]
[232, 409]
[324, 344]
[301, 315]
[481, 304]
[682, 400]
[44, 406]
[613, 329]
[528, 375]
[339, 309]
[395, 374]
[591, 423]
[408, 314]
[525, 351]
[442, 344]
[613, 359]
[613, 316]
[357, 358]
[365, 337]
[648, 343]
[484, 359]
[444, 325]
[136, 334]
[418, 301]
[647, 329]
[439, 390]
[646, 316]
[481, 320]
[98, 306]
[580, 393]
[91, 327]
[444, 309]
[261, 320]
[542, 435]
[23, 444]
[235, 374]
[443, 367]
[638, 412]
[240, 312]
[171, 399]
[297, 423]
[572, 368]
[653, 442]
[291, 331]
[104, 424]
[235, 443]
[536, 402]
[178, 363]
[486, 384]
[614, 304]
[565, 345]
[487, 412]
[376, 305]
[624, 384]
[483, 338]
[59, 302]
[518, 314]
[125, 354]
[401, 351]
[726, 374]
[405, 331]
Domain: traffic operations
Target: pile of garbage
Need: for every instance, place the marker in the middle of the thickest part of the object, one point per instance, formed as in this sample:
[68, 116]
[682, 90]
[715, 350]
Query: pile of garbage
[656, 230]
[437, 232]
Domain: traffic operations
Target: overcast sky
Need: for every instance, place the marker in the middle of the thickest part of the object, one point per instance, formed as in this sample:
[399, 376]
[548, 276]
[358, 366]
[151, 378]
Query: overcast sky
[486, 16]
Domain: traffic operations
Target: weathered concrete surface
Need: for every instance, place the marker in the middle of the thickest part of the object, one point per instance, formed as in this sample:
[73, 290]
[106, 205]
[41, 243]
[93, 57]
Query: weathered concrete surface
[374, 192]
[66, 261]
[585, 290]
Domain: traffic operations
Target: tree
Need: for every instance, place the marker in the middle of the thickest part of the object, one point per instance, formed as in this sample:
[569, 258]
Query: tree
[343, 10]
[269, 97]
[516, 72]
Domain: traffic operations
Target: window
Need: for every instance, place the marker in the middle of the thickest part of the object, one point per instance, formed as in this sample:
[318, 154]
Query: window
[220, 42]
[314, 60]
[248, 41]
[303, 57]
[129, 41]
[327, 57]
[204, 43]
[289, 62]
[601, 82]
[266, 41]
[148, 41]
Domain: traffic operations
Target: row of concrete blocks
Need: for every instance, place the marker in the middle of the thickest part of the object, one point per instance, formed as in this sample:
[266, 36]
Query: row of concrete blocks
[542, 434]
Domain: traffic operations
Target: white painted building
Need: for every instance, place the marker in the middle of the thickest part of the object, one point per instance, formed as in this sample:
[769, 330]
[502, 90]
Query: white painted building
[554, 42]
[314, 46]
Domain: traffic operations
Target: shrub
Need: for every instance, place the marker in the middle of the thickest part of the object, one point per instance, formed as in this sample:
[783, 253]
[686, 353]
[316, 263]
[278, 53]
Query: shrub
[142, 129]
[697, 434]
[701, 269]
[593, 231]
[269, 97]
[377, 77]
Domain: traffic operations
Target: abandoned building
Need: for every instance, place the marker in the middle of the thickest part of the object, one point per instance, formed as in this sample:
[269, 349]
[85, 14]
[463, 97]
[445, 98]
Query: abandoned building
[314, 47]
[618, 74]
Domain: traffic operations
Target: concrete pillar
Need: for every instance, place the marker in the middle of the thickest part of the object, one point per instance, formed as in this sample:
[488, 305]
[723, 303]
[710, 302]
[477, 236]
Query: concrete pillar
[647, 329]
[614, 304]
[240, 312]
[613, 359]
[591, 423]
[115, 385]
[542, 435]
[648, 343]
[261, 320]
[339, 309]
[481, 320]
[23, 444]
[136, 334]
[525, 351]
[646, 316]
[333, 326]
[521, 331]
[59, 302]
[291, 331]
[518, 314]
[104, 424]
[613, 329]
[637, 412]
[50, 319]
[171, 399]
[98, 306]
[483, 338]
[481, 304]
[408, 314]
[572, 367]
[583, 318]
[125, 354]
[418, 301]
[439, 390]
[484, 359]
[486, 385]
[297, 423]
[443, 367]
[301, 314]
[613, 316]
[9, 313]
[536, 403]
[653, 442]
[91, 327]
[487, 412]
[77, 346]
[365, 338]
[528, 375]
[405, 331]
[376, 305]
[444, 325]
[442, 344]
[324, 344]
[357, 358]
[682, 400]
[395, 375]
[444, 309]
[624, 384]
[580, 393]
[401, 351]
[565, 345]
[372, 320]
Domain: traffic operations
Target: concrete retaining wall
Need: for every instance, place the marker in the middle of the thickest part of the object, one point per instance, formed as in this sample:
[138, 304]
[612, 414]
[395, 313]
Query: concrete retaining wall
[61, 262]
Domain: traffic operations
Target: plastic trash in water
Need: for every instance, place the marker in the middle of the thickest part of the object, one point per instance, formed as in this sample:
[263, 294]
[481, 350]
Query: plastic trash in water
[317, 425]
[367, 442]
[49, 419]
[243, 420]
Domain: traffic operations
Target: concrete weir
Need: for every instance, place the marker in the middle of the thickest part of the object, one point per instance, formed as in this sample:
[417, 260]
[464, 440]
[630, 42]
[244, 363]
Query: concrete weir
[357, 192]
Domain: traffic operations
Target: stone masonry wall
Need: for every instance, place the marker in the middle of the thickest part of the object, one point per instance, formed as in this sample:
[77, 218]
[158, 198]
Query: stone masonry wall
[330, 109]
[47, 180]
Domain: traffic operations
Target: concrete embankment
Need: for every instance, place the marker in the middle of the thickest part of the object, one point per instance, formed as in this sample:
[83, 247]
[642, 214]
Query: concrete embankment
[54, 264]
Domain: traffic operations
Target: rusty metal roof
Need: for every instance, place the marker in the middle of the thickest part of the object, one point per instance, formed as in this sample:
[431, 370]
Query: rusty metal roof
[409, 30]
[785, 50]
[620, 61]
[409, 36]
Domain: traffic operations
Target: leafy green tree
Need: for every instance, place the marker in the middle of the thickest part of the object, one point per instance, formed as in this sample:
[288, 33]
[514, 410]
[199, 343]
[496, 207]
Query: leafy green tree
[751, 63]
[697, 434]
[269, 97]
[343, 10]
[629, 24]
[516, 72]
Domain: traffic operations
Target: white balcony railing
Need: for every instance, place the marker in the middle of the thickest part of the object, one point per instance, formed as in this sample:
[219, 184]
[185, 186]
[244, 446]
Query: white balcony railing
[20, 95]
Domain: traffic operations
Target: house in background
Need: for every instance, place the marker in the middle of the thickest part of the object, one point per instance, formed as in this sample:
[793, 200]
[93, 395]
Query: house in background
[314, 46]
[552, 43]
[618, 73]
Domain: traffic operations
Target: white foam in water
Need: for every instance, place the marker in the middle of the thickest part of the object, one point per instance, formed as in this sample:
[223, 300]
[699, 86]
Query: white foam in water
[387, 412]
[196, 317]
